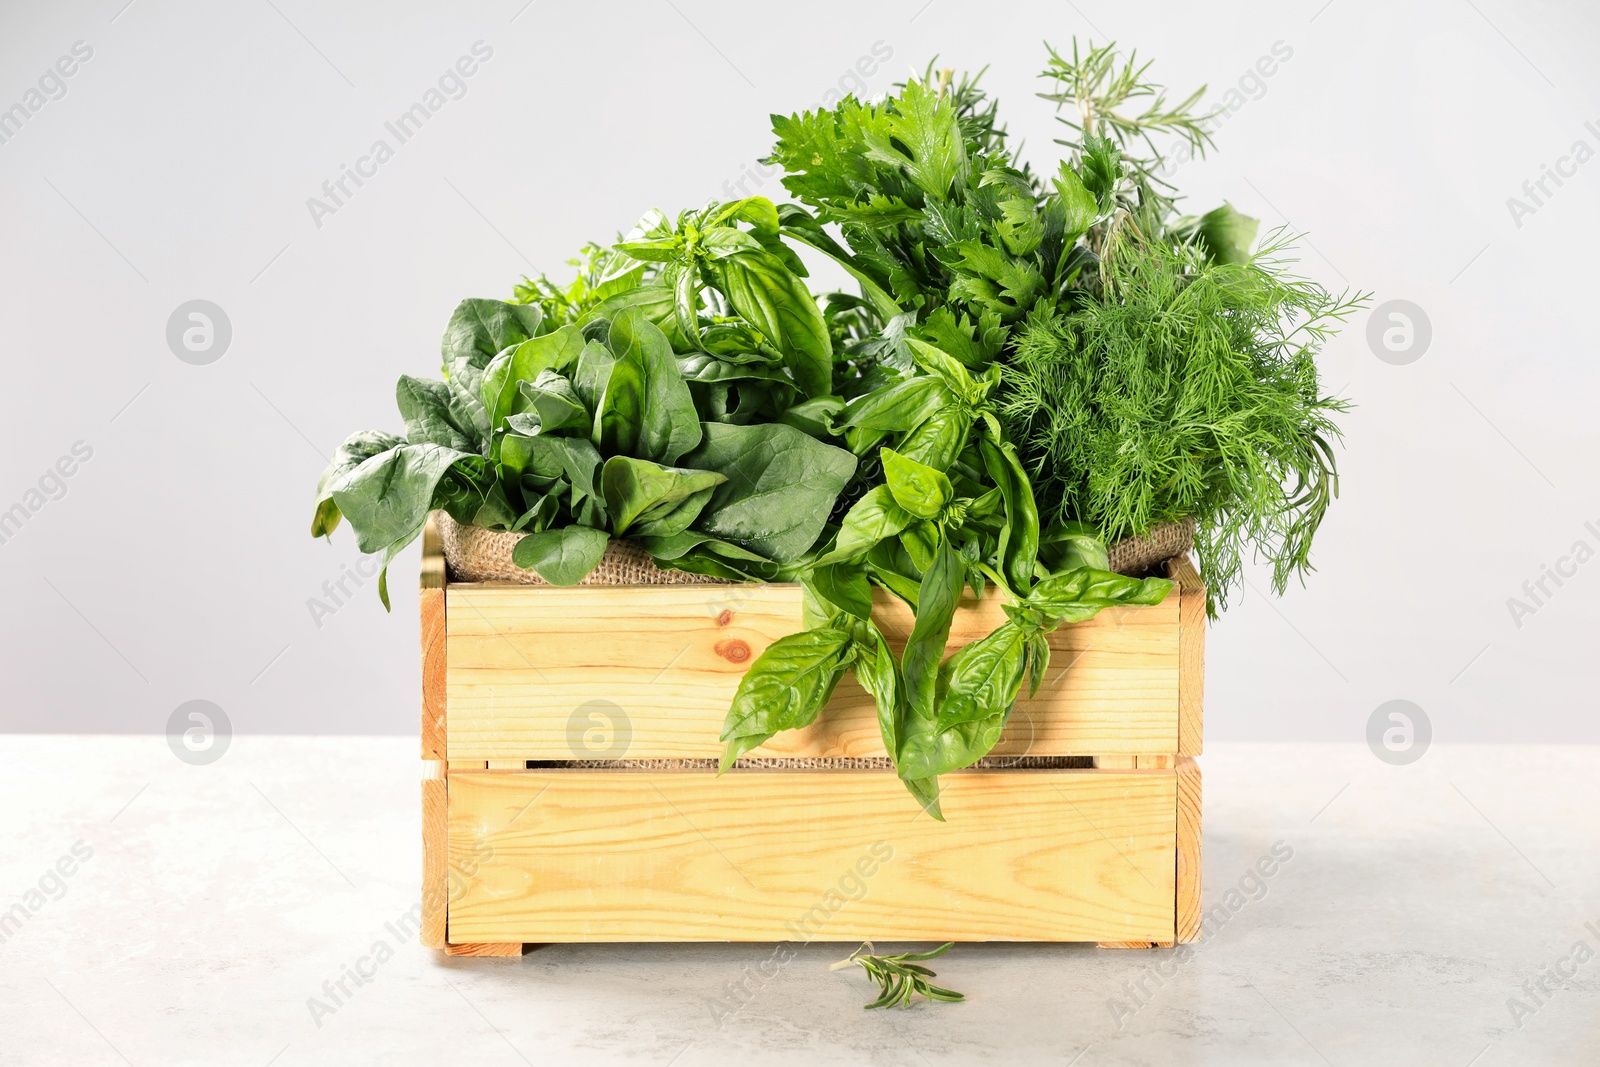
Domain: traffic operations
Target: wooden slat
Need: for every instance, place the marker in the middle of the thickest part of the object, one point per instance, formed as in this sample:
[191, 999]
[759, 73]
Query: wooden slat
[1135, 944]
[435, 885]
[585, 855]
[649, 671]
[1188, 884]
[1191, 655]
[492, 948]
[431, 601]
[1130, 763]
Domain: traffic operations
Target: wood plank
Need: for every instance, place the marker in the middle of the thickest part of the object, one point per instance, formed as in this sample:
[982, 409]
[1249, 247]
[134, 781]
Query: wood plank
[649, 671]
[1131, 763]
[1134, 944]
[431, 603]
[1191, 655]
[585, 855]
[435, 884]
[1188, 883]
[493, 948]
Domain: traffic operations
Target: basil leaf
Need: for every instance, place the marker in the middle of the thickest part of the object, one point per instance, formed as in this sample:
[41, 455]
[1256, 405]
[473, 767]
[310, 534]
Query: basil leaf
[937, 597]
[845, 586]
[784, 688]
[939, 439]
[978, 686]
[871, 519]
[897, 407]
[946, 367]
[1067, 546]
[918, 488]
[1077, 595]
[356, 450]
[780, 486]
[1019, 538]
[774, 301]
[637, 490]
[561, 557]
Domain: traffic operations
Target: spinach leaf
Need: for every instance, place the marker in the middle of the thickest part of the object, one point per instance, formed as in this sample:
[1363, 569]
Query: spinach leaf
[388, 496]
[785, 688]
[561, 557]
[637, 490]
[434, 415]
[356, 450]
[780, 486]
[667, 425]
[505, 373]
[551, 402]
[478, 331]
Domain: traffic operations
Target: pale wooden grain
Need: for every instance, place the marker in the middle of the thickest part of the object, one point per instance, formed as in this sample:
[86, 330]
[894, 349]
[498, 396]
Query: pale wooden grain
[580, 855]
[1135, 944]
[1188, 878]
[492, 948]
[1191, 655]
[529, 667]
[431, 605]
[435, 883]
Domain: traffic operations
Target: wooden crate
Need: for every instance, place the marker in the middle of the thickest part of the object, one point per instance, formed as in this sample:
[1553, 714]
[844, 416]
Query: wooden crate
[521, 846]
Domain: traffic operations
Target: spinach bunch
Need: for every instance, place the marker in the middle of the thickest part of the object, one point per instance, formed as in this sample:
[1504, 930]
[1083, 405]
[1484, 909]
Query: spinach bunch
[955, 510]
[649, 400]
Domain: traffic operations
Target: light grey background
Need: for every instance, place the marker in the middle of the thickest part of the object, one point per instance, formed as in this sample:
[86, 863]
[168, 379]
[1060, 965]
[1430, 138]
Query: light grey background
[179, 162]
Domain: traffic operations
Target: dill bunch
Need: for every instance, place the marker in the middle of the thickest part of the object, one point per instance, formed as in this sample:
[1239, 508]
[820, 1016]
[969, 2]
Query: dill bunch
[1186, 388]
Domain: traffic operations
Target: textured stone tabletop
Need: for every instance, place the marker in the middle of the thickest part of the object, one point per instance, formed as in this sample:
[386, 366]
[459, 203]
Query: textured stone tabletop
[154, 912]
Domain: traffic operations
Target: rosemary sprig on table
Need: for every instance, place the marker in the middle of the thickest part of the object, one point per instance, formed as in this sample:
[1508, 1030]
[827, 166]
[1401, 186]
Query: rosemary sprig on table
[900, 977]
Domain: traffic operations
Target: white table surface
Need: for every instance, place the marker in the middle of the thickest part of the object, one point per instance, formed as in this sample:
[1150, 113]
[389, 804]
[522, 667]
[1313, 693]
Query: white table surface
[218, 900]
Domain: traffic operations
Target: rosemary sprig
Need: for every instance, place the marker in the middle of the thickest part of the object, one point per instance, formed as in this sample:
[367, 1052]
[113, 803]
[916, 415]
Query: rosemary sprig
[900, 977]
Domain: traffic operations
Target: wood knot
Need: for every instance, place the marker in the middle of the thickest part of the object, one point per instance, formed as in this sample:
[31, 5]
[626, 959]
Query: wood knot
[733, 651]
[725, 618]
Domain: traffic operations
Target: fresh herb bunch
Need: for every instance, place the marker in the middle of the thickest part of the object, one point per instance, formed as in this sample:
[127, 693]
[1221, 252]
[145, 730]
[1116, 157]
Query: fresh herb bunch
[901, 977]
[622, 405]
[687, 391]
[958, 244]
[1189, 392]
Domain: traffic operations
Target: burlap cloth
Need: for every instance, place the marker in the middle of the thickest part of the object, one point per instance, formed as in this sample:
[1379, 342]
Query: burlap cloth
[474, 554]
